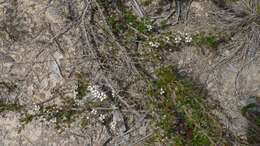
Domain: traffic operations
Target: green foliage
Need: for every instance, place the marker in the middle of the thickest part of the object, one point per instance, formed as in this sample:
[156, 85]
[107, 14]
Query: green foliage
[126, 21]
[82, 86]
[60, 116]
[6, 106]
[146, 2]
[258, 9]
[207, 40]
[252, 112]
[180, 114]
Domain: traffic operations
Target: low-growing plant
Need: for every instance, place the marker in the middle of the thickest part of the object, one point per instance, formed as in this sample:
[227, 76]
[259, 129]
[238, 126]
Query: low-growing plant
[180, 113]
[59, 116]
[252, 113]
[207, 40]
[146, 2]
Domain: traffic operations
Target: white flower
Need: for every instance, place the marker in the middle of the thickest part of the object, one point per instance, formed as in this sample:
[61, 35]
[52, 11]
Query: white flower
[113, 93]
[113, 125]
[94, 112]
[151, 44]
[35, 109]
[94, 90]
[154, 44]
[164, 116]
[167, 39]
[178, 39]
[44, 119]
[188, 39]
[149, 27]
[102, 117]
[54, 120]
[162, 91]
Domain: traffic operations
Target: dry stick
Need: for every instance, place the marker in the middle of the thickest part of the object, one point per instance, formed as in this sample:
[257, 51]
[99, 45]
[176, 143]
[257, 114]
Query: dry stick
[188, 10]
[28, 139]
[56, 40]
[64, 31]
[128, 60]
[139, 9]
[106, 79]
[141, 139]
[121, 98]
[122, 48]
[135, 127]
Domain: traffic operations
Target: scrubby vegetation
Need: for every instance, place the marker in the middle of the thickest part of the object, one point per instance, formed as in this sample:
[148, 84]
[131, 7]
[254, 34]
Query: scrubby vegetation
[129, 67]
[180, 113]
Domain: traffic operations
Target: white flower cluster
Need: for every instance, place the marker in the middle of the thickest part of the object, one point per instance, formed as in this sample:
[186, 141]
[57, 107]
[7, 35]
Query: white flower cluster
[94, 90]
[94, 112]
[167, 39]
[113, 125]
[53, 120]
[35, 109]
[114, 94]
[154, 44]
[101, 117]
[178, 39]
[181, 36]
[162, 91]
[149, 27]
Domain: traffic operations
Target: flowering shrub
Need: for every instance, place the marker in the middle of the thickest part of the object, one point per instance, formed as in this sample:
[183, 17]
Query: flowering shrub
[96, 92]
[61, 116]
[181, 37]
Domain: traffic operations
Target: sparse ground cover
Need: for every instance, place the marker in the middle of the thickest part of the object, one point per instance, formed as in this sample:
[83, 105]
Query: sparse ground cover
[145, 72]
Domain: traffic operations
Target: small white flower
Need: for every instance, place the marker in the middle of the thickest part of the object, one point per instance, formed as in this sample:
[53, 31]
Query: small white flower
[102, 117]
[188, 39]
[94, 90]
[113, 93]
[178, 39]
[36, 108]
[154, 44]
[43, 119]
[157, 44]
[151, 44]
[167, 39]
[54, 120]
[162, 91]
[149, 27]
[113, 125]
[164, 116]
[94, 112]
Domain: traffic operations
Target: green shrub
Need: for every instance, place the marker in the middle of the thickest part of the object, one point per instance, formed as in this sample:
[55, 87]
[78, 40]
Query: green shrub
[180, 113]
